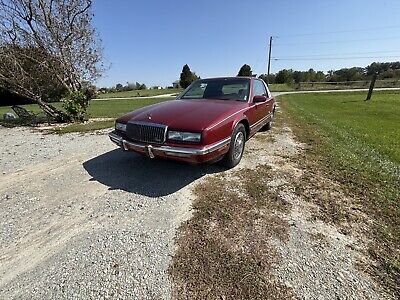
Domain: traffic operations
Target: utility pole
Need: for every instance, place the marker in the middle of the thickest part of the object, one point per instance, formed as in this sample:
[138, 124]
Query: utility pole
[269, 58]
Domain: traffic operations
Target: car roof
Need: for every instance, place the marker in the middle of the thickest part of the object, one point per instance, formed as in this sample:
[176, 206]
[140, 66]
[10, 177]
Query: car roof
[229, 77]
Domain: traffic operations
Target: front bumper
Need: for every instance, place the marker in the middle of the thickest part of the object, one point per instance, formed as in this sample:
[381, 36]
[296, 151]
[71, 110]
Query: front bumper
[192, 155]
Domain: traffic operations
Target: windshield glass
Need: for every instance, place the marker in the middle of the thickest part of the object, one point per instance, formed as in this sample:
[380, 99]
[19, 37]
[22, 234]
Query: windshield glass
[221, 89]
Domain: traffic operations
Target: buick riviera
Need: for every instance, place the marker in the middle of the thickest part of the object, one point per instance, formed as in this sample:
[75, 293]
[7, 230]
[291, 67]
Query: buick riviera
[209, 121]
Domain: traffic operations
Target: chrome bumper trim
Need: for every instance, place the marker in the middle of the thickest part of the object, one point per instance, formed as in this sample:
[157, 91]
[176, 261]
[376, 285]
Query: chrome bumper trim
[168, 150]
[115, 138]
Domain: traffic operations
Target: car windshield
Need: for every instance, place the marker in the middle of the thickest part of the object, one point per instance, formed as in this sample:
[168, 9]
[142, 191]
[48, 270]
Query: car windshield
[220, 89]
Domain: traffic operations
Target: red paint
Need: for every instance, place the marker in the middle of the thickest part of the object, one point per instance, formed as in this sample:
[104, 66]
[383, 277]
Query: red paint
[215, 119]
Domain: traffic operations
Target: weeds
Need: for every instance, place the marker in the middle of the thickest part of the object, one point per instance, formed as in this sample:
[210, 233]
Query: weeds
[223, 250]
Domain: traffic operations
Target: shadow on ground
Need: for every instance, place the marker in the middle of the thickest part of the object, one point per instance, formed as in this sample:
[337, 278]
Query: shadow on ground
[141, 175]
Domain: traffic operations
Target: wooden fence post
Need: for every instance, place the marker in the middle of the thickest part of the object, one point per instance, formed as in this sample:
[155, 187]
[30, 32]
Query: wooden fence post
[371, 87]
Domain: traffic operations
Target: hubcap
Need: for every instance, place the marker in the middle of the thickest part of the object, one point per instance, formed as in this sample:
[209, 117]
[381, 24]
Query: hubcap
[238, 145]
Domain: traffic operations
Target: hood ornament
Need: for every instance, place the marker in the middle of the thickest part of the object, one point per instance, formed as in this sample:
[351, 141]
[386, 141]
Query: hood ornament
[149, 116]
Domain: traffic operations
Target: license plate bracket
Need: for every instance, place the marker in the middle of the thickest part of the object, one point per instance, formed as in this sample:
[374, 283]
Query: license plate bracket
[149, 151]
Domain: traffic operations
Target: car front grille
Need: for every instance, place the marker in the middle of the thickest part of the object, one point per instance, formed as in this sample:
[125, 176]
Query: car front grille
[146, 132]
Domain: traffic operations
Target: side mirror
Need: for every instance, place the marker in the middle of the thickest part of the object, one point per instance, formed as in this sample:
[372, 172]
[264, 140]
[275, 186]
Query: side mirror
[258, 99]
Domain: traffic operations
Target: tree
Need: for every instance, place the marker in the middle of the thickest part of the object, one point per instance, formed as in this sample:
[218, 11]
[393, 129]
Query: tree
[36, 76]
[187, 77]
[311, 74]
[320, 76]
[245, 71]
[387, 70]
[298, 77]
[347, 74]
[284, 76]
[48, 44]
[267, 78]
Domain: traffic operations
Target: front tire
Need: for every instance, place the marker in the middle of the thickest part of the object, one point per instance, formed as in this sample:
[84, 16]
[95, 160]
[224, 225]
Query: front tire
[236, 147]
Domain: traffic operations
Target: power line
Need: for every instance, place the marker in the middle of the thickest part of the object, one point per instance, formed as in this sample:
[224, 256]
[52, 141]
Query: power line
[336, 54]
[341, 31]
[336, 42]
[336, 58]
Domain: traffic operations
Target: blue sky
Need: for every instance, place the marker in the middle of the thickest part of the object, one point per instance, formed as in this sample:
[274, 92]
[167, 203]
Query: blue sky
[149, 41]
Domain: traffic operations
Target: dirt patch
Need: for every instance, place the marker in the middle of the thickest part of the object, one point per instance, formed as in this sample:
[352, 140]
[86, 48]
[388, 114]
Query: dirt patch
[223, 251]
[255, 235]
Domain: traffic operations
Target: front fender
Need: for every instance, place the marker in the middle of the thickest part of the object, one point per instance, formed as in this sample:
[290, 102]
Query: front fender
[242, 119]
[225, 128]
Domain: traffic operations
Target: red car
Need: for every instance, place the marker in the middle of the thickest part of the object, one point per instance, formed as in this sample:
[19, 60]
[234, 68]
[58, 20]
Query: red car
[211, 120]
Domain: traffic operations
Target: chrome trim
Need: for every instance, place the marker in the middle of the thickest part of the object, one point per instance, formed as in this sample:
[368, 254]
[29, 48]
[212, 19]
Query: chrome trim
[260, 121]
[147, 123]
[169, 150]
[165, 127]
[115, 138]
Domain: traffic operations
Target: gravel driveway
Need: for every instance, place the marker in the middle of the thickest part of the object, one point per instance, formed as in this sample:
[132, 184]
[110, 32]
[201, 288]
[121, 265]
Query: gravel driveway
[82, 219]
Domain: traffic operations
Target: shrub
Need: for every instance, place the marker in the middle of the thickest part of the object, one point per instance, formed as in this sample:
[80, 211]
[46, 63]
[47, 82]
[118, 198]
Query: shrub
[75, 105]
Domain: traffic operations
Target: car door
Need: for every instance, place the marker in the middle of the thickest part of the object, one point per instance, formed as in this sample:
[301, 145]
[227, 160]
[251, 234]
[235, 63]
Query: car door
[270, 101]
[259, 110]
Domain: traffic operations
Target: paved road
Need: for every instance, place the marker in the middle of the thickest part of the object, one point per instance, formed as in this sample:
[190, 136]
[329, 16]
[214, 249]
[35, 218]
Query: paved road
[137, 98]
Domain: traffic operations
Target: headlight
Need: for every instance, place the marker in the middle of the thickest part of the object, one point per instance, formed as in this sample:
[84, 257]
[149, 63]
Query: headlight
[184, 136]
[120, 126]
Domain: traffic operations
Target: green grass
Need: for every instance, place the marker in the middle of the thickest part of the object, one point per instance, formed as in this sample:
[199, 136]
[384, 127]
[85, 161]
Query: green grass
[356, 144]
[100, 109]
[84, 127]
[97, 109]
[372, 126]
[139, 93]
[310, 86]
[31, 107]
[280, 87]
[116, 108]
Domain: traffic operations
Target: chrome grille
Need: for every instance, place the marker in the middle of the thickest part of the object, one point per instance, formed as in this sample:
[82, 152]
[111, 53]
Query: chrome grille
[146, 132]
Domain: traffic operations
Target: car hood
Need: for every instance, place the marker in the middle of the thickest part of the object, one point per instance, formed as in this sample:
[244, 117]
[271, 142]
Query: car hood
[190, 115]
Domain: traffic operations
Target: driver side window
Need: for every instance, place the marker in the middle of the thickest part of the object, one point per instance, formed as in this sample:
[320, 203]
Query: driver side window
[259, 88]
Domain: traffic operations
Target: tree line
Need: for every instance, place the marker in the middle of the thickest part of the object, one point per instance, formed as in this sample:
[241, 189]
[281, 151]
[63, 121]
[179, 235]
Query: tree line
[387, 70]
[129, 86]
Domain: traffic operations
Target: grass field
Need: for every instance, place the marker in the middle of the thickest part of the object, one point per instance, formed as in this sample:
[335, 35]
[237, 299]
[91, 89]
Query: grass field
[356, 144]
[97, 109]
[372, 125]
[310, 86]
[116, 108]
[139, 93]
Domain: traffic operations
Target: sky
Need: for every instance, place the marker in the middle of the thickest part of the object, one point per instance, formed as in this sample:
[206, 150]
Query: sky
[150, 41]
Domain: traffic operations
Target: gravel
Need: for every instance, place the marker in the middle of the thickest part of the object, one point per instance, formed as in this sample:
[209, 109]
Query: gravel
[315, 261]
[81, 219]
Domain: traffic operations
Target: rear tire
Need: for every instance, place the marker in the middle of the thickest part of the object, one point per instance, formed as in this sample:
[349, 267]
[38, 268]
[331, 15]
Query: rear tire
[267, 126]
[236, 147]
